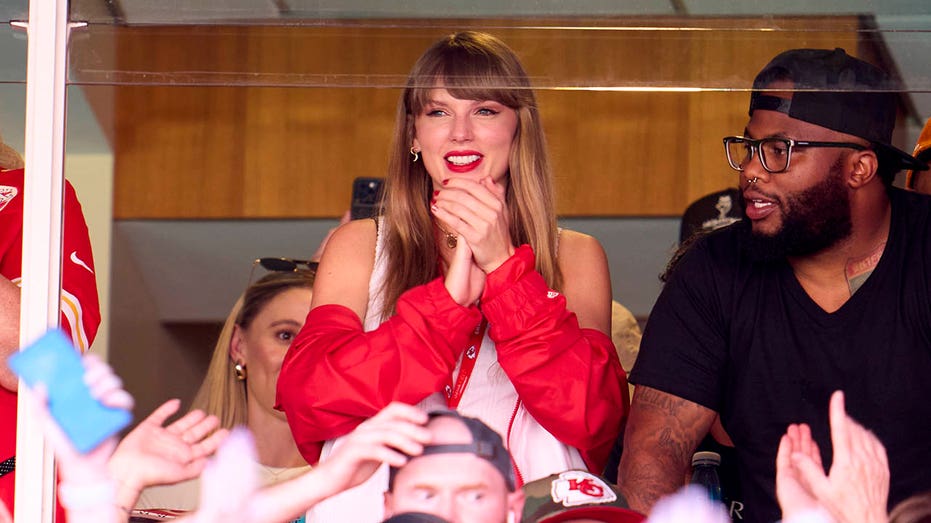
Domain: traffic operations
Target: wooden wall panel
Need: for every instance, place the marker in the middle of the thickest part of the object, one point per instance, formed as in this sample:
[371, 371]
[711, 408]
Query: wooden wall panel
[285, 117]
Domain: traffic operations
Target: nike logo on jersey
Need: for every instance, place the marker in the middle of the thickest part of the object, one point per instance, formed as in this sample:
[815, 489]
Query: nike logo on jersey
[7, 193]
[79, 261]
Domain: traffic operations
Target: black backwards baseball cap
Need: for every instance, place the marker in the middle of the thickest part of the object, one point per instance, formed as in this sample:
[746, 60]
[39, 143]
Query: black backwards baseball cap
[486, 444]
[835, 90]
[575, 494]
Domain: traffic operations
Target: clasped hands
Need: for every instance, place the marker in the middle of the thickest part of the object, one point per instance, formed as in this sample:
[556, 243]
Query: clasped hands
[477, 212]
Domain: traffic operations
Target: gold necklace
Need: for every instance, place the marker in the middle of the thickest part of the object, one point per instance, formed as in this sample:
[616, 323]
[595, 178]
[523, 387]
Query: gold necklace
[451, 239]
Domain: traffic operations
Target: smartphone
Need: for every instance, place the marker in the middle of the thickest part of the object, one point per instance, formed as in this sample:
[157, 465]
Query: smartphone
[366, 197]
[53, 361]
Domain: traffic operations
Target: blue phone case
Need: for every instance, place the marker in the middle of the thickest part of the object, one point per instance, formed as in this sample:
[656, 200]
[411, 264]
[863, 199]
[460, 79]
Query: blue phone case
[53, 361]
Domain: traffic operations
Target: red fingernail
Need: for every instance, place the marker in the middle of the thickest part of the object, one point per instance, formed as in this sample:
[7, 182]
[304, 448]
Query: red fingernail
[433, 202]
[436, 193]
[445, 181]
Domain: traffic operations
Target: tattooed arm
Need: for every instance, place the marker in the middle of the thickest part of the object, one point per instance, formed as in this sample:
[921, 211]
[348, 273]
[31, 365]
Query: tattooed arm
[662, 433]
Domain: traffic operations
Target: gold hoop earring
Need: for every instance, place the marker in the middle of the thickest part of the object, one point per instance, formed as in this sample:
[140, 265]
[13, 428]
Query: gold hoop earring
[415, 154]
[240, 370]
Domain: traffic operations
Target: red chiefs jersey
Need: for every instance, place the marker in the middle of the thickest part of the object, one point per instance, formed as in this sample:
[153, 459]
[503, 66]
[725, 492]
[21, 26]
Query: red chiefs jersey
[80, 308]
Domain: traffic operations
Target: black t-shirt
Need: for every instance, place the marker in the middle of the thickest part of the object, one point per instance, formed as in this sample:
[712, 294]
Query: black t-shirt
[744, 339]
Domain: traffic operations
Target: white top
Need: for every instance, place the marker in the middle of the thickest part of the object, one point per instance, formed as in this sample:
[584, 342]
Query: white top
[186, 495]
[489, 396]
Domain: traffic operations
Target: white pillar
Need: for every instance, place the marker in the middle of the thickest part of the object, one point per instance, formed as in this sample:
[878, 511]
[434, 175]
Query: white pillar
[42, 218]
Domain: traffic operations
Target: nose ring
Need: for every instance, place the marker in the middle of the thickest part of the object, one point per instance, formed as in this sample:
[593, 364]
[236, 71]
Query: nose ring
[754, 180]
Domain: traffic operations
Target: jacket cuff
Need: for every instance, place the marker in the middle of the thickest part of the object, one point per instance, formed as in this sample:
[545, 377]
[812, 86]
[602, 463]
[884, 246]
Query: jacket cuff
[520, 298]
[440, 311]
[513, 269]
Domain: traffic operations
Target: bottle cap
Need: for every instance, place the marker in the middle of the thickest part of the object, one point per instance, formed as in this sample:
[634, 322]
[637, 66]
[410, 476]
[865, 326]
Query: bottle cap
[706, 458]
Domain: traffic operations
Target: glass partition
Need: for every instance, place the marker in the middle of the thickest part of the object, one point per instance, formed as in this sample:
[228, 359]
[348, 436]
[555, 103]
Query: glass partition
[235, 129]
[202, 135]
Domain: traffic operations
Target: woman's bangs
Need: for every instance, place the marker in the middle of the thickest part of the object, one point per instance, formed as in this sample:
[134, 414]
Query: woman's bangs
[467, 80]
[483, 89]
[466, 89]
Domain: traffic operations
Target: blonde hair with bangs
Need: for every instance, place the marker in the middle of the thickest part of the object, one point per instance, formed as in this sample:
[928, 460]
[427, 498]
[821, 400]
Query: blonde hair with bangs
[470, 66]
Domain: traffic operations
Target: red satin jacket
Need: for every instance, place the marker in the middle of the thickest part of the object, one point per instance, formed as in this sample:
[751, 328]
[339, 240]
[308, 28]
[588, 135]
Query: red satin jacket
[336, 375]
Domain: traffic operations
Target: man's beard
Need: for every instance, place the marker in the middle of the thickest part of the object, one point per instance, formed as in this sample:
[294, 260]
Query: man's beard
[812, 220]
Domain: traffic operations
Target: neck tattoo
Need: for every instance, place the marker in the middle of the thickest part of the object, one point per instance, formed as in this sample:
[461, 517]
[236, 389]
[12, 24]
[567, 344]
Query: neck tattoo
[859, 269]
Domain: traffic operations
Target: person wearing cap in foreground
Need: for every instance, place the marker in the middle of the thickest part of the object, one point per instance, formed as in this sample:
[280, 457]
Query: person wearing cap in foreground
[825, 286]
[575, 495]
[464, 475]
[918, 180]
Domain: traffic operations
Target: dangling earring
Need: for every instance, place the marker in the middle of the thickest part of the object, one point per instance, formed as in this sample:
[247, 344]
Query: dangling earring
[240, 370]
[415, 154]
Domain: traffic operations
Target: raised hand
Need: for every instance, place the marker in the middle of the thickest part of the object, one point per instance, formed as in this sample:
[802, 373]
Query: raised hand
[791, 491]
[857, 487]
[390, 436]
[86, 489]
[107, 388]
[155, 455]
[477, 212]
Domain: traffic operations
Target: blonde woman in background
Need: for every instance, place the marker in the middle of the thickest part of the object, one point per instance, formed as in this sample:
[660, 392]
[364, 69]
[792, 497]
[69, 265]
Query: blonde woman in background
[240, 384]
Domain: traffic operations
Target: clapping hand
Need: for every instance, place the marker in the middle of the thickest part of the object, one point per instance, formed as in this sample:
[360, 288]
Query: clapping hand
[153, 454]
[856, 488]
[791, 491]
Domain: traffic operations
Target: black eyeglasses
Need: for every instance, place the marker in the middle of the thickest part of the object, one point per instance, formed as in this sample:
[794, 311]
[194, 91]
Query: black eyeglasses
[281, 265]
[775, 153]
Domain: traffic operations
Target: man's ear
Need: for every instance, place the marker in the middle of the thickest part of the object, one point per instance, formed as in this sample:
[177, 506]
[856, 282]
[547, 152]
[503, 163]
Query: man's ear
[862, 167]
[237, 345]
[515, 505]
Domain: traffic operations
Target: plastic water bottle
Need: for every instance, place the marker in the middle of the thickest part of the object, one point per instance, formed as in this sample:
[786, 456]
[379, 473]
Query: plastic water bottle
[705, 473]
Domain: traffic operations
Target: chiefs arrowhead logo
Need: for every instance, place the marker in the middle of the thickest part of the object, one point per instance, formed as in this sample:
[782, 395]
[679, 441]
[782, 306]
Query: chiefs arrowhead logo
[575, 487]
[7, 193]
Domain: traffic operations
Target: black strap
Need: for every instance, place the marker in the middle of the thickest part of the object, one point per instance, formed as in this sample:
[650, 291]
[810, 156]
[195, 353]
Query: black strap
[770, 103]
[7, 466]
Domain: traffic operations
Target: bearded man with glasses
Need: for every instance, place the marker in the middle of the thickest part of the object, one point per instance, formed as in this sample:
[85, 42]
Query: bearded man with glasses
[825, 286]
